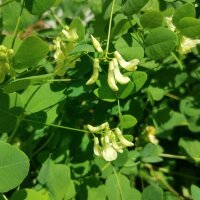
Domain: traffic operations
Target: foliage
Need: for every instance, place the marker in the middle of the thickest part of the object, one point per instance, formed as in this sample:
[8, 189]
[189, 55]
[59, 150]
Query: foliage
[99, 99]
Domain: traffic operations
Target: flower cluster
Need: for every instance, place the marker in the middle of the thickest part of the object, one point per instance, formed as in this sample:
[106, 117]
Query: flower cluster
[186, 44]
[62, 46]
[110, 143]
[6, 56]
[114, 74]
[150, 133]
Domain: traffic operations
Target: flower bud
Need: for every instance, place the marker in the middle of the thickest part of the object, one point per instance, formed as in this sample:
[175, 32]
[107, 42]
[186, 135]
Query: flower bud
[2, 74]
[96, 129]
[122, 139]
[118, 76]
[114, 143]
[95, 75]
[108, 153]
[96, 44]
[129, 66]
[111, 78]
[97, 148]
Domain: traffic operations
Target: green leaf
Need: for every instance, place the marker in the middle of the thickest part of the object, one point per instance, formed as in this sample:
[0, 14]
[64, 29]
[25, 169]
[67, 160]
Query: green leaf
[57, 179]
[190, 27]
[156, 93]
[10, 14]
[118, 187]
[195, 191]
[38, 98]
[31, 51]
[37, 7]
[191, 148]
[139, 78]
[96, 6]
[14, 167]
[133, 6]
[152, 192]
[186, 10]
[11, 108]
[128, 121]
[150, 153]
[129, 47]
[80, 29]
[159, 43]
[152, 19]
[29, 194]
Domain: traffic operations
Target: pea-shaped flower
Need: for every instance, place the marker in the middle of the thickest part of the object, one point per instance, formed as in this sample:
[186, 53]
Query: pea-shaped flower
[118, 76]
[108, 152]
[129, 66]
[96, 129]
[97, 148]
[111, 77]
[95, 75]
[96, 44]
[122, 139]
[116, 145]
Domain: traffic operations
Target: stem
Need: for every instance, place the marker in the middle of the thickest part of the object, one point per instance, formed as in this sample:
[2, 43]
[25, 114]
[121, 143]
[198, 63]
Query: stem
[5, 3]
[119, 112]
[120, 190]
[19, 120]
[17, 25]
[172, 96]
[43, 145]
[57, 126]
[57, 19]
[177, 60]
[109, 29]
[164, 155]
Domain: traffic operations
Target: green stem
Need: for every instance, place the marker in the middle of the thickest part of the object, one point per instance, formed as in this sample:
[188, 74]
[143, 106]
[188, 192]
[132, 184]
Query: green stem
[57, 126]
[19, 120]
[5, 3]
[43, 145]
[119, 185]
[17, 25]
[109, 28]
[119, 112]
[57, 19]
[164, 155]
[177, 60]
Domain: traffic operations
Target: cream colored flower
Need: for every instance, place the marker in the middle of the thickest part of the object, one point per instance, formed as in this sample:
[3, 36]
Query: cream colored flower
[116, 145]
[97, 148]
[129, 66]
[70, 35]
[122, 139]
[95, 75]
[169, 23]
[186, 44]
[108, 152]
[111, 78]
[96, 129]
[151, 131]
[118, 76]
[96, 44]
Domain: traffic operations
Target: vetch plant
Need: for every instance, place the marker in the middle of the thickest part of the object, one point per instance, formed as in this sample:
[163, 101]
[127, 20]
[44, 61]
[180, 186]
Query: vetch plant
[131, 67]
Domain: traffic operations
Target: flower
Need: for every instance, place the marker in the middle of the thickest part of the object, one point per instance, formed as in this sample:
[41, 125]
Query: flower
[118, 76]
[96, 129]
[151, 131]
[111, 78]
[96, 44]
[169, 23]
[116, 146]
[122, 139]
[97, 148]
[186, 44]
[108, 152]
[129, 66]
[95, 75]
[70, 35]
